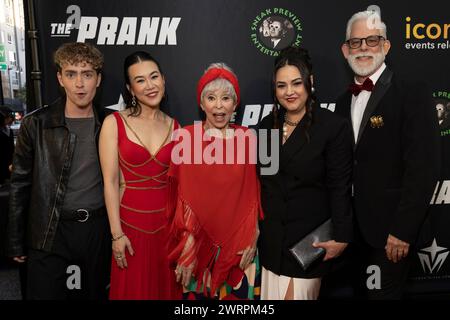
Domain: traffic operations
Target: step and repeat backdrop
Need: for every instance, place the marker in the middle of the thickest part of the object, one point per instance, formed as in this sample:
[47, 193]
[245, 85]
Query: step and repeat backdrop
[185, 36]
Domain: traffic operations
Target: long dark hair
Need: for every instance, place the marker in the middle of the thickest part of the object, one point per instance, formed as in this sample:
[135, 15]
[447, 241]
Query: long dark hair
[297, 57]
[134, 58]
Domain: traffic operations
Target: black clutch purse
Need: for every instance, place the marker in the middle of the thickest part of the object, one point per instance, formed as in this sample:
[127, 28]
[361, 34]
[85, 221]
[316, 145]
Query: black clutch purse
[303, 250]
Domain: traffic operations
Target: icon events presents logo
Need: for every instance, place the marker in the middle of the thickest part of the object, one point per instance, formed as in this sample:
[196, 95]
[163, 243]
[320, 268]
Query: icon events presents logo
[423, 36]
[275, 29]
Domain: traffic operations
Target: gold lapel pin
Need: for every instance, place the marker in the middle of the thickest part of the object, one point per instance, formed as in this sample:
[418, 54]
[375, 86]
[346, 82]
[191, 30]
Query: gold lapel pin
[376, 121]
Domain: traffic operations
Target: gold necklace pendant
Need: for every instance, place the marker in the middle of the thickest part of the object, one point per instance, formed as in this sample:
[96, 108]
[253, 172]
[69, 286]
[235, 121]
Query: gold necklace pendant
[285, 131]
[290, 123]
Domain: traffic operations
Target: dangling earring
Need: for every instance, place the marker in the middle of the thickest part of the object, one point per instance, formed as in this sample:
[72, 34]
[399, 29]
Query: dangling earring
[133, 101]
[313, 90]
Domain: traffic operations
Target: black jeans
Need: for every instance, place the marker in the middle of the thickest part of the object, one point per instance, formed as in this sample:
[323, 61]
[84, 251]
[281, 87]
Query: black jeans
[78, 266]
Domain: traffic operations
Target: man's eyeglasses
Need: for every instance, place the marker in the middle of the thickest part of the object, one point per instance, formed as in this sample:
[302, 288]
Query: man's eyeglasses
[371, 41]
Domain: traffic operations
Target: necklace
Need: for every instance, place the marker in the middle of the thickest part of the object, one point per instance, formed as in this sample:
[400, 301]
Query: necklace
[286, 123]
[289, 122]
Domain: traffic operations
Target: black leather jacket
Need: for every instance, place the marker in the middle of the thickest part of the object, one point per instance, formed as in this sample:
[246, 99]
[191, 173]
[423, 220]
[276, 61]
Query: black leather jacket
[41, 169]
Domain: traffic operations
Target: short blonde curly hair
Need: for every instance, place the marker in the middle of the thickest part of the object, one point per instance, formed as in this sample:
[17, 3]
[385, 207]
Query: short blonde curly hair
[77, 52]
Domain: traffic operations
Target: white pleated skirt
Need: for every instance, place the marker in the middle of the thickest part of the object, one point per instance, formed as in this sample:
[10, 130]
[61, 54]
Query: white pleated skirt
[274, 287]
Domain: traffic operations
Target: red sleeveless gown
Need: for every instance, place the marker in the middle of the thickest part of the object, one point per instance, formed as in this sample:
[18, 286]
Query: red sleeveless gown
[144, 221]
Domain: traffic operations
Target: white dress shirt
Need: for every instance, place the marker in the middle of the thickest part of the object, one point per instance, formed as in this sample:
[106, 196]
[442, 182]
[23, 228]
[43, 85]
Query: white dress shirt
[359, 102]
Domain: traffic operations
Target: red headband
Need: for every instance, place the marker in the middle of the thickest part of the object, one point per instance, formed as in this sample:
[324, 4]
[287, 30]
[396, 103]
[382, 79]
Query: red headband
[213, 74]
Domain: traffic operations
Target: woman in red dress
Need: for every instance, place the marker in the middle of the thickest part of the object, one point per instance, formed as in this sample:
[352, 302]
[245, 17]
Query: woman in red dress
[215, 192]
[135, 149]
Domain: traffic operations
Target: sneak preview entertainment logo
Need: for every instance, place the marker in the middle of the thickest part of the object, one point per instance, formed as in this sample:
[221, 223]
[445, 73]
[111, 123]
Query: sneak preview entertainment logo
[275, 29]
[442, 104]
[117, 30]
[433, 257]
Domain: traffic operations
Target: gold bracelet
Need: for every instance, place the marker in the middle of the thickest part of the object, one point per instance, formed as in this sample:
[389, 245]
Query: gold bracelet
[119, 237]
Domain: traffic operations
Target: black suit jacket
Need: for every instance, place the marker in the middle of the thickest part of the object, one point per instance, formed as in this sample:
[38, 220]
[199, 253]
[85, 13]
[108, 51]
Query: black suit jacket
[396, 164]
[313, 183]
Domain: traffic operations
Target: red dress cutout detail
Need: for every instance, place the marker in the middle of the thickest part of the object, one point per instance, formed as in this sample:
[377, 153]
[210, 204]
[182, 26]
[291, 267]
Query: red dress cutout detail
[144, 221]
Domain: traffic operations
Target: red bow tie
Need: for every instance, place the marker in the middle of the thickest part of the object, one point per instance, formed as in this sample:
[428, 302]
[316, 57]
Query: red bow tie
[355, 89]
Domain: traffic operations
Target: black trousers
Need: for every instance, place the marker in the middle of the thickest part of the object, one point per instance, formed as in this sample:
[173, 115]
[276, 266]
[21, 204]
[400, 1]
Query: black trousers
[369, 263]
[78, 266]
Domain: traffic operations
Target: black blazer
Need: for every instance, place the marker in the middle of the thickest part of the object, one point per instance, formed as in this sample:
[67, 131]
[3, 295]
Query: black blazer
[396, 164]
[313, 183]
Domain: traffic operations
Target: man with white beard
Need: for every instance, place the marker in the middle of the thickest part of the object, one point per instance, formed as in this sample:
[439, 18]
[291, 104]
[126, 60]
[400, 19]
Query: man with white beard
[396, 158]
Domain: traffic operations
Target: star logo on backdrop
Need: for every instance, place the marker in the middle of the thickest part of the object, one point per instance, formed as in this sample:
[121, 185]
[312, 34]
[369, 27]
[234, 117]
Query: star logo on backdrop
[433, 257]
[120, 105]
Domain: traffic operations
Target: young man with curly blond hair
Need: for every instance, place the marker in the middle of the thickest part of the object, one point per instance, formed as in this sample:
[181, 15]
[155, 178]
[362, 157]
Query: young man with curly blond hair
[57, 218]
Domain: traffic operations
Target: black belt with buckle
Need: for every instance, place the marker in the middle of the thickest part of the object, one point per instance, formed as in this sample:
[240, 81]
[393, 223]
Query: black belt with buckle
[82, 215]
